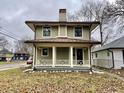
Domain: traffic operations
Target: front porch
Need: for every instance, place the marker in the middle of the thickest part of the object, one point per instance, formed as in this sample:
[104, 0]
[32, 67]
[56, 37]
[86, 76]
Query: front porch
[62, 58]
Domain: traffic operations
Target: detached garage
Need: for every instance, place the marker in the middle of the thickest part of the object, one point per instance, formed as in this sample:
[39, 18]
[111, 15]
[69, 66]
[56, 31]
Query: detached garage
[110, 55]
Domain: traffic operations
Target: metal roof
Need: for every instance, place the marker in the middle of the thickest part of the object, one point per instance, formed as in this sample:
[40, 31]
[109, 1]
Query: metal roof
[116, 44]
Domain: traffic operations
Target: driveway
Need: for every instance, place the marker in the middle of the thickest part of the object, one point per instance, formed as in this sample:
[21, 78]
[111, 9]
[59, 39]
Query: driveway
[11, 66]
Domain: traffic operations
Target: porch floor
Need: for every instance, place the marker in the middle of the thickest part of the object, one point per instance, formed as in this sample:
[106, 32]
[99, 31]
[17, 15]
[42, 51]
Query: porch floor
[61, 68]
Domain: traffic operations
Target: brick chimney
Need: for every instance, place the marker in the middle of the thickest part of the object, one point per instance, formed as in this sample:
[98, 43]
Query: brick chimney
[62, 15]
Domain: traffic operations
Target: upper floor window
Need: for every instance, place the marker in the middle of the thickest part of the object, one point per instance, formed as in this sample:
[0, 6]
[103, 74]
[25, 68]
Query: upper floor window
[78, 31]
[46, 31]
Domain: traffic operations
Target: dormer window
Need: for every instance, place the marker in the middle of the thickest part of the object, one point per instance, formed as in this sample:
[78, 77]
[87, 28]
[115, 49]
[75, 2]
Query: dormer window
[46, 31]
[78, 31]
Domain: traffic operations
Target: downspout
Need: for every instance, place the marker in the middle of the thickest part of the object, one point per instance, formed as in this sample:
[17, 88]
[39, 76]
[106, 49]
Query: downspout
[90, 59]
[112, 58]
[101, 34]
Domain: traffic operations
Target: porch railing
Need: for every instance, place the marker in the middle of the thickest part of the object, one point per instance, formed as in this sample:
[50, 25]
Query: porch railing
[45, 62]
[81, 62]
[62, 62]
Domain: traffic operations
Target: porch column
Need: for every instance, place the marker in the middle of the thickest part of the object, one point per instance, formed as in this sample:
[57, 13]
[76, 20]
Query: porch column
[34, 56]
[71, 55]
[89, 56]
[53, 56]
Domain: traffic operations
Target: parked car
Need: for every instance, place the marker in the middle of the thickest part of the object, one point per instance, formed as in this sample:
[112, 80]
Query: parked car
[30, 60]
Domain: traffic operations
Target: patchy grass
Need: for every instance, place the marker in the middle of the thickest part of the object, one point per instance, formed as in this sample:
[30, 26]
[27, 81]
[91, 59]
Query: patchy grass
[1, 62]
[15, 81]
[119, 72]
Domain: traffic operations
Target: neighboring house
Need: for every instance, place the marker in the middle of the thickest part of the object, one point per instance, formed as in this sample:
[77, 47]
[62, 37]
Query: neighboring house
[21, 56]
[110, 55]
[62, 44]
[5, 55]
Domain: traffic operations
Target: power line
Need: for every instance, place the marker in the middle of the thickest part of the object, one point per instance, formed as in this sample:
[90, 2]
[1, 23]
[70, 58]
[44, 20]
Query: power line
[8, 35]
[5, 30]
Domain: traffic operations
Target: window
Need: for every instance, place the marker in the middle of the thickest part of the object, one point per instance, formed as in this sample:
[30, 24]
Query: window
[96, 55]
[108, 54]
[78, 31]
[45, 52]
[46, 31]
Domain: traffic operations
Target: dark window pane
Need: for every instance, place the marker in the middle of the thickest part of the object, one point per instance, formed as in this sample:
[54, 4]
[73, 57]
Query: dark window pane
[78, 32]
[46, 31]
[96, 55]
[45, 51]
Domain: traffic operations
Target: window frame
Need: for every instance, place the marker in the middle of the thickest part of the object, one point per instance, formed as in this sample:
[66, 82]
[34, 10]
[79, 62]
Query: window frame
[96, 55]
[81, 32]
[108, 54]
[47, 52]
[43, 32]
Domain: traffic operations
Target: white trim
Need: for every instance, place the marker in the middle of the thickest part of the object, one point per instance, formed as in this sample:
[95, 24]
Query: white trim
[71, 55]
[89, 58]
[53, 56]
[66, 31]
[83, 53]
[34, 56]
[50, 32]
[59, 31]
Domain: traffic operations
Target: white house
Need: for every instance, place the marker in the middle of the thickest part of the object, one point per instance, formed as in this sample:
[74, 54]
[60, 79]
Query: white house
[110, 55]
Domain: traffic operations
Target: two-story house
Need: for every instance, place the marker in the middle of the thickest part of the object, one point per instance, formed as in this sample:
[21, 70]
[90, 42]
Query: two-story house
[62, 44]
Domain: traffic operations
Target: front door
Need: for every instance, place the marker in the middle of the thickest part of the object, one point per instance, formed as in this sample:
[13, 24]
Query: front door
[79, 56]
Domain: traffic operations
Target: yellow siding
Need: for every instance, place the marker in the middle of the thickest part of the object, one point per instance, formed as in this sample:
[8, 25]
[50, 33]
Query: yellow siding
[40, 56]
[62, 53]
[86, 33]
[86, 54]
[38, 32]
[70, 31]
[54, 31]
[62, 31]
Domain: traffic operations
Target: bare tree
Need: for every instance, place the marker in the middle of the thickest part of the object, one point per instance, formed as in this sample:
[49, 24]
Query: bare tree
[4, 42]
[95, 10]
[23, 47]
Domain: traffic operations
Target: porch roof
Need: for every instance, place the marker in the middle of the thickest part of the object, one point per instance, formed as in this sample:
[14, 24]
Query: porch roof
[62, 40]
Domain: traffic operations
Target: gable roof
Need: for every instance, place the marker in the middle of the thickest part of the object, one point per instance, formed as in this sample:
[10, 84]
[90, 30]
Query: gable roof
[116, 44]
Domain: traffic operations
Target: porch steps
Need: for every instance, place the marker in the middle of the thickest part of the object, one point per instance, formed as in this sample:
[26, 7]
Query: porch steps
[61, 68]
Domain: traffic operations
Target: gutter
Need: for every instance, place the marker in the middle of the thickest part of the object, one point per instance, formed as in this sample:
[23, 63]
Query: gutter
[112, 58]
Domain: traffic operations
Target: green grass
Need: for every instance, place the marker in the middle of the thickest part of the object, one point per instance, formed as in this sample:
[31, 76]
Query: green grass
[1, 62]
[15, 81]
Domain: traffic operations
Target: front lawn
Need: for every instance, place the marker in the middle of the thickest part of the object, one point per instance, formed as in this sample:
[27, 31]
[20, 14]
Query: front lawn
[1, 62]
[16, 81]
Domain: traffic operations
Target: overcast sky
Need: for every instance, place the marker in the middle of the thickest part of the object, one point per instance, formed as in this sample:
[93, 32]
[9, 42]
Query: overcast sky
[14, 13]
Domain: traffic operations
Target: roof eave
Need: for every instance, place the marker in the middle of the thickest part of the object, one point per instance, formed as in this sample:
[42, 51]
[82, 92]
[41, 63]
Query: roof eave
[32, 24]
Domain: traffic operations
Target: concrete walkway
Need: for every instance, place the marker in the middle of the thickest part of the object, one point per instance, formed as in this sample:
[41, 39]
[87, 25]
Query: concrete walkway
[110, 74]
[13, 65]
